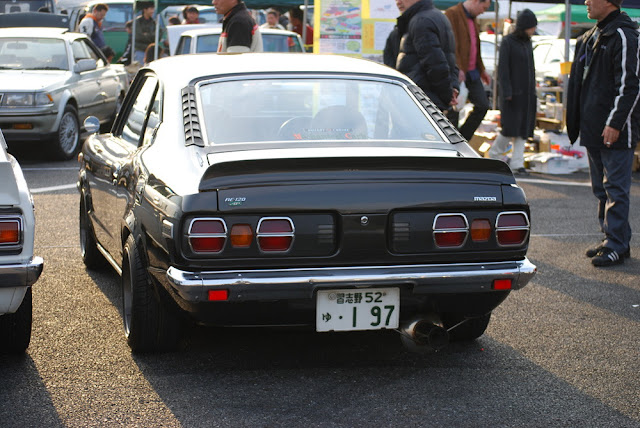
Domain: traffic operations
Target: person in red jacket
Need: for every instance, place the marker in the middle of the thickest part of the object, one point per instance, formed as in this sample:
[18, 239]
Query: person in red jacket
[296, 16]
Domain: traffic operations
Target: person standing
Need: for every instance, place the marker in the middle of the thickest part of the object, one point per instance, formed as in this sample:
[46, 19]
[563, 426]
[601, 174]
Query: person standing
[427, 51]
[472, 72]
[517, 89]
[296, 17]
[272, 20]
[602, 110]
[91, 24]
[240, 33]
[191, 15]
[145, 31]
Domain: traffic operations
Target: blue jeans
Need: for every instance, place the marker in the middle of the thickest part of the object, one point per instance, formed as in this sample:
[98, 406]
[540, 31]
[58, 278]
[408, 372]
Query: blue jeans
[611, 184]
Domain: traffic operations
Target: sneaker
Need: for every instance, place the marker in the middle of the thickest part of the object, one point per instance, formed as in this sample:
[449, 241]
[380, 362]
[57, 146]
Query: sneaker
[607, 257]
[521, 171]
[591, 252]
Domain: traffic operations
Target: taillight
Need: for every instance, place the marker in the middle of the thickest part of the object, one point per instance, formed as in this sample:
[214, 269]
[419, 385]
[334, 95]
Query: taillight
[450, 230]
[10, 231]
[512, 228]
[207, 235]
[275, 234]
[480, 230]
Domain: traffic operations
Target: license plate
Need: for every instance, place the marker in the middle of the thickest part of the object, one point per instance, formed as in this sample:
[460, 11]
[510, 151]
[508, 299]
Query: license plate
[362, 309]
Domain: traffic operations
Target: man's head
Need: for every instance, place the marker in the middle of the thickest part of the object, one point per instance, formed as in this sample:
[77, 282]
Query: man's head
[128, 26]
[99, 11]
[224, 6]
[296, 15]
[272, 17]
[476, 7]
[600, 9]
[405, 4]
[147, 9]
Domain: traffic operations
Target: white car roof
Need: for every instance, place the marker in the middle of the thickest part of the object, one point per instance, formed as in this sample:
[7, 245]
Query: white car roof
[218, 29]
[178, 71]
[47, 32]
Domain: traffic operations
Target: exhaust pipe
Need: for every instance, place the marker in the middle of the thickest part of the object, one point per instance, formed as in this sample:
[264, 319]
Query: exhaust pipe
[423, 334]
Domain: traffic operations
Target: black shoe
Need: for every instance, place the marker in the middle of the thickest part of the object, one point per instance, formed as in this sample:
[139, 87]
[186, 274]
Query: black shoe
[521, 172]
[607, 257]
[591, 252]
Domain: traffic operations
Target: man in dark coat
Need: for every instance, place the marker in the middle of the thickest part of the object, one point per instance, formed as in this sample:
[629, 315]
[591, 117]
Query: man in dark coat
[517, 84]
[427, 51]
[603, 110]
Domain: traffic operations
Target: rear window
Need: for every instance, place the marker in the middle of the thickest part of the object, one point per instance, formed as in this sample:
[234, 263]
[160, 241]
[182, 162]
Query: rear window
[245, 111]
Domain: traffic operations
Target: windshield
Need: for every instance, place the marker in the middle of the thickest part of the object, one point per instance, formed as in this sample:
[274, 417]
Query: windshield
[33, 54]
[308, 109]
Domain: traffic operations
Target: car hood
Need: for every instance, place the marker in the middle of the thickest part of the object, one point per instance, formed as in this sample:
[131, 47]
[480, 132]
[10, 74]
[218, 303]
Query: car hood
[26, 80]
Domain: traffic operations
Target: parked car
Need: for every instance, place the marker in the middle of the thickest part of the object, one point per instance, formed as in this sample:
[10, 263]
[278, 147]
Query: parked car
[49, 77]
[203, 40]
[115, 35]
[306, 190]
[13, 6]
[19, 269]
[548, 54]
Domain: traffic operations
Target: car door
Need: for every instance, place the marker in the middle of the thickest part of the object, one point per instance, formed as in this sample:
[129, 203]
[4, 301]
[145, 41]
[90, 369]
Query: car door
[119, 182]
[96, 90]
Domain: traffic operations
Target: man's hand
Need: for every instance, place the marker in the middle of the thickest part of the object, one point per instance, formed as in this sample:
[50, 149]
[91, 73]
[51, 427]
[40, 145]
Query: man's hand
[454, 98]
[486, 79]
[610, 135]
[461, 76]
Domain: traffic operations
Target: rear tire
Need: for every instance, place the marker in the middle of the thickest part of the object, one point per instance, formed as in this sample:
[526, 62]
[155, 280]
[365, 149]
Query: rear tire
[148, 325]
[15, 329]
[91, 256]
[470, 330]
[67, 140]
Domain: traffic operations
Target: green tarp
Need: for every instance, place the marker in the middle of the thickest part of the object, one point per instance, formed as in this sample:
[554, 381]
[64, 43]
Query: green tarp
[578, 14]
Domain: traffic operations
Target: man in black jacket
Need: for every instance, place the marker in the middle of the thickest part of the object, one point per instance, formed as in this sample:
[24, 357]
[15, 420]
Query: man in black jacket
[603, 110]
[427, 51]
[240, 33]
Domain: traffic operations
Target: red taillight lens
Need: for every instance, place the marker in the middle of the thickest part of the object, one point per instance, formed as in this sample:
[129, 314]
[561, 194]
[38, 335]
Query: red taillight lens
[218, 295]
[480, 230]
[502, 284]
[512, 228]
[275, 234]
[9, 232]
[450, 230]
[207, 235]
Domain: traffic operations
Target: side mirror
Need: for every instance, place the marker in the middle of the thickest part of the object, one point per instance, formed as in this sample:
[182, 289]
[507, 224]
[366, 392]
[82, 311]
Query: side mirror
[92, 124]
[85, 65]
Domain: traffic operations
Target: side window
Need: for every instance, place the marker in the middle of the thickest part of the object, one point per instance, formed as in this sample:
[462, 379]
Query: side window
[82, 50]
[144, 105]
[184, 45]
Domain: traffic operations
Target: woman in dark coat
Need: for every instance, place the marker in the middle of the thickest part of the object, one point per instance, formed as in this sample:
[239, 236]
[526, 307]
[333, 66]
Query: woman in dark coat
[517, 89]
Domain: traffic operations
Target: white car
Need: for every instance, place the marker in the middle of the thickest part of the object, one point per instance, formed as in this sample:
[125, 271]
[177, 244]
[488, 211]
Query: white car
[548, 54]
[49, 77]
[206, 40]
[19, 269]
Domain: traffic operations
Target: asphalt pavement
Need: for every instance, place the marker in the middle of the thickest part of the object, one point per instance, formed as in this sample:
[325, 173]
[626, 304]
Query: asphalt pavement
[562, 352]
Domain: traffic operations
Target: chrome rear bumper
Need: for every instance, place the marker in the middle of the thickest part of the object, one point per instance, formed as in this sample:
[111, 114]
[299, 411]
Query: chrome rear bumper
[18, 275]
[300, 283]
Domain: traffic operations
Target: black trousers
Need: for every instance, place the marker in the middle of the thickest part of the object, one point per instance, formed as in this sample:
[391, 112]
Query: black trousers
[478, 97]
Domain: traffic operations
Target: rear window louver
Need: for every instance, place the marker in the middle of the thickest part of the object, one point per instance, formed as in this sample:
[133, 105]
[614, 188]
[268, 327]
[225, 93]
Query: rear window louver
[192, 131]
[450, 131]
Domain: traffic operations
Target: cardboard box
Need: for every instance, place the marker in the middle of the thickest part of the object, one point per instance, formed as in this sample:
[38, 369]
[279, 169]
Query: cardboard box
[481, 142]
[549, 124]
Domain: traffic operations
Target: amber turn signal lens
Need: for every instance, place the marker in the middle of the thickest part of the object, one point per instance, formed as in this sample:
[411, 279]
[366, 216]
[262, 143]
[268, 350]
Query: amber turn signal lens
[241, 236]
[10, 232]
[480, 230]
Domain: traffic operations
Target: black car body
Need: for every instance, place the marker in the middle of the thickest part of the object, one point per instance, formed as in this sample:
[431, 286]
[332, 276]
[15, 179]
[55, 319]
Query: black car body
[297, 190]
